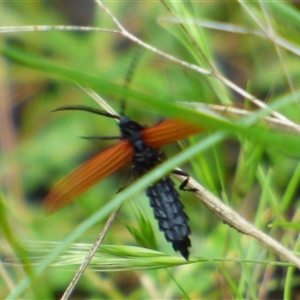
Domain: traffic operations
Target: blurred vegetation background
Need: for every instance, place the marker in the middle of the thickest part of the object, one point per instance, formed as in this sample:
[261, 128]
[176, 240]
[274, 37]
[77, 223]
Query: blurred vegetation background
[259, 52]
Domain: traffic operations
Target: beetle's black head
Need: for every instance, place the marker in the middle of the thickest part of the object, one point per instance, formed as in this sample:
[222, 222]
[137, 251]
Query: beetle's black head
[129, 129]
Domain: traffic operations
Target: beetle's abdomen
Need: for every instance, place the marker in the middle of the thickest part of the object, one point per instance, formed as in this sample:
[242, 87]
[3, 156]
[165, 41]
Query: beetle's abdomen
[168, 210]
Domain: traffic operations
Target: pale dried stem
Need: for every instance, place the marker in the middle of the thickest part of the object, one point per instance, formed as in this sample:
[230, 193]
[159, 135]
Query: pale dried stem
[33, 28]
[233, 219]
[215, 73]
[122, 31]
[236, 113]
[89, 256]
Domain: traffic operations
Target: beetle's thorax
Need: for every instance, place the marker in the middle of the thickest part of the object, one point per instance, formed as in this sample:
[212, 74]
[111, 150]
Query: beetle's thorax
[145, 157]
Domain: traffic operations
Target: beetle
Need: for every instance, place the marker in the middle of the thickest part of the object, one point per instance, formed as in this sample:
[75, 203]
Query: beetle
[140, 146]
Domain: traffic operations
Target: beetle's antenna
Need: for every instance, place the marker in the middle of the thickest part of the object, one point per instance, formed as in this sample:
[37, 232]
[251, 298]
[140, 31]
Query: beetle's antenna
[87, 109]
[129, 76]
[102, 138]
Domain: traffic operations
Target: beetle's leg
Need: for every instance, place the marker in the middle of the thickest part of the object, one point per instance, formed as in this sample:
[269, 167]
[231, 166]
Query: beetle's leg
[183, 185]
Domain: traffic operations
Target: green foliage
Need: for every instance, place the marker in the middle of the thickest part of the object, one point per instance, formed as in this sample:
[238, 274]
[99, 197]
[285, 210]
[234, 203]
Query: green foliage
[144, 234]
[250, 163]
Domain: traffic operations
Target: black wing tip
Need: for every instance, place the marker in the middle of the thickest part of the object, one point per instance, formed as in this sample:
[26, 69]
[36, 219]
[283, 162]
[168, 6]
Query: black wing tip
[185, 253]
[182, 246]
